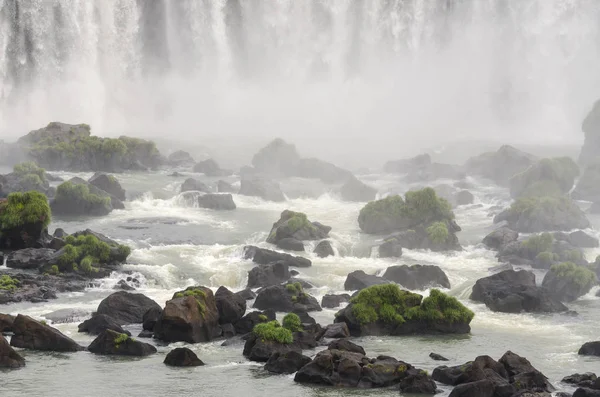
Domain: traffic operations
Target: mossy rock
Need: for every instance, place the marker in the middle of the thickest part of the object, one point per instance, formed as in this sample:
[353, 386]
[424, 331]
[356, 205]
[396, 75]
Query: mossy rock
[78, 197]
[295, 225]
[547, 177]
[23, 219]
[568, 281]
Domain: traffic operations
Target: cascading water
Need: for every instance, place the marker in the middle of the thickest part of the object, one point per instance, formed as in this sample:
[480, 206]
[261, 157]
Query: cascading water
[413, 69]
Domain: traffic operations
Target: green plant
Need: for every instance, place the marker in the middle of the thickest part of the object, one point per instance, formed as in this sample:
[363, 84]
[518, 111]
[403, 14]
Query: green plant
[54, 270]
[292, 322]
[29, 168]
[121, 338]
[274, 332]
[198, 294]
[537, 244]
[43, 322]
[386, 302]
[262, 317]
[7, 283]
[573, 255]
[79, 193]
[581, 276]
[438, 232]
[85, 251]
[440, 307]
[298, 221]
[546, 258]
[294, 288]
[548, 177]
[21, 209]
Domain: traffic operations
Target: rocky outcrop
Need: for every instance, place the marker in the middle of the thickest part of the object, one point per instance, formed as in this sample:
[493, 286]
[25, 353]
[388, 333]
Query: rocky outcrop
[390, 248]
[31, 334]
[261, 349]
[500, 237]
[211, 168]
[357, 191]
[277, 158]
[358, 280]
[78, 197]
[590, 349]
[126, 307]
[264, 256]
[180, 158]
[591, 128]
[547, 177]
[192, 185]
[417, 276]
[191, 316]
[225, 187]
[421, 169]
[290, 244]
[249, 321]
[286, 363]
[331, 301]
[99, 323]
[587, 379]
[515, 292]
[29, 258]
[109, 184]
[261, 187]
[182, 357]
[324, 249]
[218, 202]
[27, 227]
[501, 165]
[9, 358]
[266, 275]
[286, 299]
[231, 307]
[113, 343]
[296, 225]
[463, 197]
[567, 281]
[27, 287]
[578, 239]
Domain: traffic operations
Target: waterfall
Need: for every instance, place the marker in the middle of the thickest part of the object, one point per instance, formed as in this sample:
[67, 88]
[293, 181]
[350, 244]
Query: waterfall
[420, 69]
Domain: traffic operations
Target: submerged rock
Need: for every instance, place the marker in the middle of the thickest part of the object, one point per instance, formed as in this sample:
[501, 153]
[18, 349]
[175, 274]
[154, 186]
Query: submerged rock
[324, 249]
[182, 357]
[99, 323]
[113, 343]
[264, 256]
[219, 202]
[286, 363]
[126, 307]
[9, 358]
[31, 334]
[417, 276]
[437, 357]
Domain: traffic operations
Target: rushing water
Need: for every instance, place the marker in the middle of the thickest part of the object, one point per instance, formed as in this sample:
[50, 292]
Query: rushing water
[176, 246]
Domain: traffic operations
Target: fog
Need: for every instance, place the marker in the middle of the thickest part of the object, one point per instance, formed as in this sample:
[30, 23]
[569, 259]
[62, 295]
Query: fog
[356, 82]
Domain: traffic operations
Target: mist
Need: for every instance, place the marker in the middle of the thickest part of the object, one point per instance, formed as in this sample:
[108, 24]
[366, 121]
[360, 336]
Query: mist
[354, 82]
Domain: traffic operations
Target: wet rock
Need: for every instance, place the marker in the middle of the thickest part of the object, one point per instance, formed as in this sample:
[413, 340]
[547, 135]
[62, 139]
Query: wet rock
[63, 316]
[260, 350]
[290, 244]
[231, 307]
[246, 294]
[246, 324]
[331, 301]
[263, 188]
[357, 191]
[99, 323]
[417, 277]
[126, 307]
[286, 363]
[264, 256]
[40, 287]
[437, 357]
[182, 357]
[464, 197]
[324, 249]
[192, 185]
[500, 237]
[346, 345]
[29, 258]
[305, 318]
[113, 343]
[336, 330]
[501, 165]
[578, 239]
[277, 158]
[418, 383]
[9, 358]
[31, 334]
[590, 349]
[225, 187]
[480, 388]
[585, 392]
[565, 284]
[218, 202]
[73, 202]
[286, 299]
[6, 323]
[358, 280]
[109, 184]
[266, 275]
[180, 158]
[123, 286]
[146, 334]
[582, 380]
[296, 225]
[228, 331]
[150, 318]
[210, 168]
[391, 248]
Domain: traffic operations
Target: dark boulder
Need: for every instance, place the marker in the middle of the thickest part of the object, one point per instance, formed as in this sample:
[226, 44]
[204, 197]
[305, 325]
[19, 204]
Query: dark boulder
[567, 282]
[582, 380]
[324, 249]
[180, 158]
[6, 323]
[99, 323]
[521, 372]
[331, 301]
[590, 349]
[35, 287]
[336, 331]
[437, 357]
[219, 202]
[31, 334]
[501, 165]
[150, 318]
[29, 258]
[126, 307]
[109, 184]
[417, 277]
[296, 225]
[418, 383]
[358, 280]
[286, 299]
[78, 197]
[192, 185]
[286, 363]
[464, 197]
[357, 191]
[246, 324]
[290, 244]
[500, 237]
[246, 294]
[9, 358]
[346, 345]
[585, 392]
[277, 158]
[231, 307]
[264, 256]
[210, 168]
[263, 188]
[261, 350]
[390, 248]
[266, 275]
[113, 343]
[480, 388]
[225, 187]
[122, 285]
[146, 334]
[182, 357]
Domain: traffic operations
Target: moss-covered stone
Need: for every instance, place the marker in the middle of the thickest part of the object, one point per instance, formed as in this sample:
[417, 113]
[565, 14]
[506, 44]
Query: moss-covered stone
[292, 322]
[547, 177]
[76, 199]
[438, 232]
[8, 283]
[538, 244]
[273, 332]
[295, 225]
[579, 275]
[23, 218]
[568, 281]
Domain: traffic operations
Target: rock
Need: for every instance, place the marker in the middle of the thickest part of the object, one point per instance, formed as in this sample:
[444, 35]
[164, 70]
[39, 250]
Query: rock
[585, 392]
[176, 174]
[277, 158]
[286, 363]
[63, 316]
[31, 233]
[355, 190]
[419, 383]
[219, 202]
[246, 294]
[228, 331]
[587, 186]
[231, 307]
[261, 350]
[464, 197]
[9, 358]
[78, 197]
[500, 237]
[182, 357]
[296, 225]
[266, 275]
[591, 128]
[546, 177]
[191, 316]
[318, 169]
[521, 372]
[40, 287]
[583, 380]
[331, 301]
[113, 343]
[336, 331]
[6, 323]
[514, 292]
[29, 258]
[417, 277]
[31, 334]
[286, 299]
[109, 184]
[567, 282]
[264, 257]
[146, 334]
[421, 168]
[345, 345]
[590, 349]
[305, 318]
[437, 357]
[192, 185]
[501, 165]
[480, 388]
[180, 158]
[123, 286]
[99, 323]
[578, 239]
[263, 188]
[358, 280]
[126, 307]
[246, 324]
[391, 248]
[225, 187]
[324, 249]
[290, 244]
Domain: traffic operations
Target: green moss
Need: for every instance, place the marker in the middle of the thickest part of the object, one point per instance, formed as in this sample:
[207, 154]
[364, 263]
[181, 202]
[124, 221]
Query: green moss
[294, 288]
[534, 207]
[22, 209]
[548, 177]
[85, 251]
[121, 338]
[385, 302]
[262, 317]
[537, 244]
[292, 322]
[546, 258]
[273, 332]
[191, 292]
[440, 307]
[298, 221]
[79, 193]
[438, 232]
[581, 276]
[7, 283]
[29, 168]
[573, 255]
[54, 270]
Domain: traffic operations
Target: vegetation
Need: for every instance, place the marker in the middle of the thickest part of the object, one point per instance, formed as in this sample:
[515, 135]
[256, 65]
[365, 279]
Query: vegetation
[536, 206]
[546, 259]
[273, 332]
[581, 276]
[85, 252]
[537, 244]
[72, 192]
[440, 307]
[548, 177]
[121, 338]
[7, 283]
[292, 322]
[198, 294]
[298, 221]
[22, 209]
[438, 232]
[31, 176]
[262, 317]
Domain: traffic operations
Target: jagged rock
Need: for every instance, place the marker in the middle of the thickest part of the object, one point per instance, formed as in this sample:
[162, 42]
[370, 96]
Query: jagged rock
[501, 165]
[417, 277]
[591, 128]
[391, 248]
[290, 244]
[585, 392]
[6, 323]
[113, 343]
[500, 237]
[324, 249]
[246, 324]
[582, 380]
[355, 190]
[231, 307]
[263, 188]
[99, 323]
[246, 294]
[146, 334]
[264, 257]
[546, 177]
[514, 292]
[305, 318]
[296, 225]
[418, 383]
[437, 357]
[31, 334]
[346, 345]
[587, 186]
[590, 349]
[332, 301]
[266, 275]
[9, 358]
[126, 307]
[109, 184]
[358, 280]
[464, 197]
[336, 330]
[286, 363]
[521, 372]
[225, 187]
[285, 299]
[182, 357]
[29, 258]
[480, 388]
[219, 202]
[278, 158]
[192, 185]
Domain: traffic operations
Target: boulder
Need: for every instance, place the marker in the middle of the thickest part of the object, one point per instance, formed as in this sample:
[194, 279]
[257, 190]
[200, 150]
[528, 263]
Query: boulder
[246, 294]
[9, 358]
[182, 357]
[277, 158]
[290, 244]
[437, 357]
[390, 248]
[99, 323]
[109, 184]
[590, 349]
[6, 323]
[31, 334]
[336, 331]
[500, 237]
[191, 316]
[324, 249]
[420, 168]
[358, 280]
[314, 168]
[219, 202]
[266, 275]
[297, 226]
[578, 239]
[264, 256]
[231, 307]
[513, 291]
[546, 177]
[225, 187]
[501, 165]
[30, 232]
[331, 301]
[591, 128]
[29, 258]
[523, 374]
[357, 191]
[417, 276]
[585, 392]
[260, 187]
[246, 324]
[567, 281]
[126, 307]
[464, 197]
[418, 383]
[180, 158]
[286, 363]
[113, 343]
[286, 299]
[192, 185]
[210, 168]
[588, 185]
[34, 287]
[346, 345]
[480, 388]
[260, 349]
[78, 197]
[583, 380]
